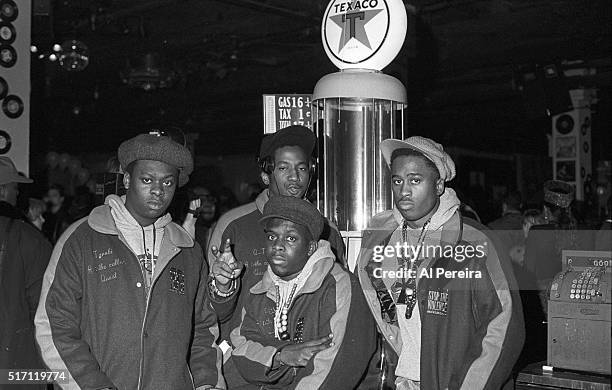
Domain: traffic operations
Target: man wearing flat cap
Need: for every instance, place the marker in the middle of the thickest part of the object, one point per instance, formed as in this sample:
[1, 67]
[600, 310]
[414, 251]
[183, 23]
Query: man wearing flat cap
[24, 255]
[305, 324]
[443, 295]
[287, 165]
[123, 303]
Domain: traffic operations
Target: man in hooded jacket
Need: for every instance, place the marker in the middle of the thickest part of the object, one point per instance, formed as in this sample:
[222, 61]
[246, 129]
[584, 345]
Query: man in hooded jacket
[442, 293]
[123, 302]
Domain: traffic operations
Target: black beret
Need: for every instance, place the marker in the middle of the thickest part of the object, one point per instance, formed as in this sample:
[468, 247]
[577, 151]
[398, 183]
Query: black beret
[157, 148]
[296, 210]
[289, 136]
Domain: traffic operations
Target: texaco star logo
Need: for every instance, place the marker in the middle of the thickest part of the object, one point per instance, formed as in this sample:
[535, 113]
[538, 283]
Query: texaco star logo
[355, 29]
[353, 26]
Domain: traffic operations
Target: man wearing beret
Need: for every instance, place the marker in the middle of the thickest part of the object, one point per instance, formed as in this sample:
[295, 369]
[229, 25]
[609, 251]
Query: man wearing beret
[123, 303]
[287, 166]
[305, 324]
[438, 284]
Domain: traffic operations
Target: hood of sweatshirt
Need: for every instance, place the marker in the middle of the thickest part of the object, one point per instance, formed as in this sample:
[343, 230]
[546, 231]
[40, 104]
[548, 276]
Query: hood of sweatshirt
[449, 204]
[314, 272]
[142, 240]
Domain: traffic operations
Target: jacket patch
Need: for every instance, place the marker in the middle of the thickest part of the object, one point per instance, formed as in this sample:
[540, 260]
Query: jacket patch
[177, 281]
[437, 302]
[267, 322]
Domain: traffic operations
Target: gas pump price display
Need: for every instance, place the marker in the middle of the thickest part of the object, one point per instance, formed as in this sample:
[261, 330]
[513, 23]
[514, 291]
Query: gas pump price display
[283, 110]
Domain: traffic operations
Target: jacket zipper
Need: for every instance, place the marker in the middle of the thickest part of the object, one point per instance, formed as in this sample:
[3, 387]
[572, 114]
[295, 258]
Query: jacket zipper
[142, 342]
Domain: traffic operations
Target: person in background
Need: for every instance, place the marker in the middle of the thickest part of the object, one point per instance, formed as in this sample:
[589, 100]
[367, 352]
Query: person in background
[509, 227]
[56, 217]
[123, 303]
[81, 205]
[449, 331]
[287, 165]
[531, 217]
[36, 211]
[305, 325]
[24, 255]
[226, 200]
[545, 242]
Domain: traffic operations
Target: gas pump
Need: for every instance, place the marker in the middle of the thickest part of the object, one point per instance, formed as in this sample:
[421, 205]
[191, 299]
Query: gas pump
[355, 109]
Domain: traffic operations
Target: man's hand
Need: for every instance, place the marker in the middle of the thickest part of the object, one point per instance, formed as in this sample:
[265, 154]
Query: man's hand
[225, 267]
[298, 355]
[191, 218]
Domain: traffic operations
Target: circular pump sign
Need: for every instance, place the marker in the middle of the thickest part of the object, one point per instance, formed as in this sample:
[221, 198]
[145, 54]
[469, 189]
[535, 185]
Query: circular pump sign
[364, 34]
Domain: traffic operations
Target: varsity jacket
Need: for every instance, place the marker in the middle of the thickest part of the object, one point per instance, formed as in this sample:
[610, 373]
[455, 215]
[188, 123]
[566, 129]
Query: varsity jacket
[247, 238]
[96, 320]
[471, 323]
[330, 301]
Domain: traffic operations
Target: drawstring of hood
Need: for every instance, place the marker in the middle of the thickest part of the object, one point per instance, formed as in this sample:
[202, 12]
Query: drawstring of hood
[143, 241]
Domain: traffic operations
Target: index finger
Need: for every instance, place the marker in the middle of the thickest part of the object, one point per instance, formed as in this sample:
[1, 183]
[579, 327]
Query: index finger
[319, 341]
[227, 248]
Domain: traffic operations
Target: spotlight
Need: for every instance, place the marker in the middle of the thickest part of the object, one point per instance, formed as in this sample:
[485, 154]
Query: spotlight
[74, 56]
[57, 47]
[52, 57]
[33, 49]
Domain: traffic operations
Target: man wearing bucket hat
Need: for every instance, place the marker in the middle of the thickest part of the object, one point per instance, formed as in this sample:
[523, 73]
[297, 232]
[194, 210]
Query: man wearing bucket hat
[24, 255]
[442, 294]
[123, 303]
[306, 319]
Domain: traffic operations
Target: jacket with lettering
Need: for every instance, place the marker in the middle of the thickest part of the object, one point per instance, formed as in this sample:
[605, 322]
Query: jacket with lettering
[96, 320]
[471, 323]
[330, 301]
[247, 238]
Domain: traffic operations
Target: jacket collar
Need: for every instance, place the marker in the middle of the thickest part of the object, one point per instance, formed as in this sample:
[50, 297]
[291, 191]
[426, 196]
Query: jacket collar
[101, 220]
[384, 224]
[324, 258]
[261, 200]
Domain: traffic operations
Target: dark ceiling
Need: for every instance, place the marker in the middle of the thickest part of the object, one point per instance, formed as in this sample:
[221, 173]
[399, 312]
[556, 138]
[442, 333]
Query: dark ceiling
[460, 63]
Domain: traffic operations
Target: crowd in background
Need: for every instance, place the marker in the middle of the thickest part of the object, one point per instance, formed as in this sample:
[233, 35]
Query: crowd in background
[530, 232]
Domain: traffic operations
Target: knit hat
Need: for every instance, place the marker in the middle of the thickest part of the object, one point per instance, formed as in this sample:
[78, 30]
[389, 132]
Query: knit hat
[431, 149]
[296, 210]
[289, 136]
[9, 174]
[157, 148]
[559, 193]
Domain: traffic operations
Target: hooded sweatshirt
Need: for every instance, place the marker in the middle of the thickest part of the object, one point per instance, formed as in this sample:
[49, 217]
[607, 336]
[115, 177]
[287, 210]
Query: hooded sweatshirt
[97, 320]
[144, 241]
[328, 299]
[471, 322]
[410, 328]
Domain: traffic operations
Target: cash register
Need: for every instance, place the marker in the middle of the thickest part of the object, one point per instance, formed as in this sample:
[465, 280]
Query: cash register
[579, 313]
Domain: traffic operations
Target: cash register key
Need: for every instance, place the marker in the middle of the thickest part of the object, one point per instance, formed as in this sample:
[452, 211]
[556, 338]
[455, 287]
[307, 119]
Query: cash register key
[574, 281]
[588, 297]
[572, 290]
[572, 296]
[573, 285]
[582, 296]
